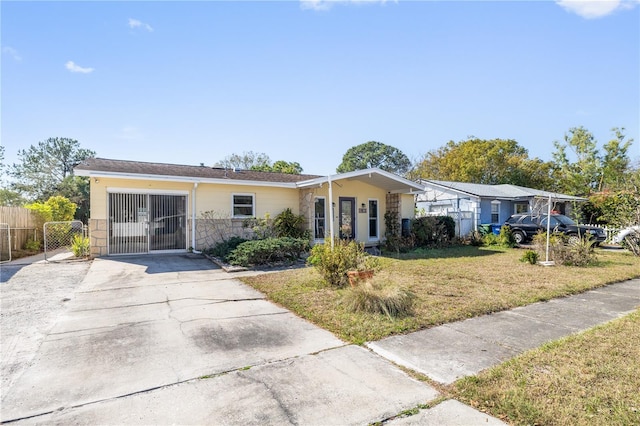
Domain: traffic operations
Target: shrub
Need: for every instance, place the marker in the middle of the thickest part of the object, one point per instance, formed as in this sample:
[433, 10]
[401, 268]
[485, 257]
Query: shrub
[490, 239]
[580, 253]
[474, 239]
[529, 256]
[377, 297]
[506, 239]
[261, 227]
[428, 231]
[334, 264]
[224, 248]
[80, 245]
[287, 224]
[32, 245]
[269, 250]
[449, 224]
[392, 234]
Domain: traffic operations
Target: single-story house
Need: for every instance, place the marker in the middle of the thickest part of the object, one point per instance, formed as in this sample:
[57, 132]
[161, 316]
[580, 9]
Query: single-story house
[473, 204]
[141, 207]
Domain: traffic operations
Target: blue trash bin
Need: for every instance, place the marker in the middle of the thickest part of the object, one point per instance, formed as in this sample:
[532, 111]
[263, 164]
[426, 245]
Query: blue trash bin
[495, 228]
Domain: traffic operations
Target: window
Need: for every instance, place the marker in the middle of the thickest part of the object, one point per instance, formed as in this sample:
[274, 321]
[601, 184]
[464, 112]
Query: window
[495, 211]
[373, 219]
[243, 205]
[519, 208]
[319, 219]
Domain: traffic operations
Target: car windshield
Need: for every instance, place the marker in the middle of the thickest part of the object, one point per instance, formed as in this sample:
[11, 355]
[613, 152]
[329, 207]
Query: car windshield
[557, 219]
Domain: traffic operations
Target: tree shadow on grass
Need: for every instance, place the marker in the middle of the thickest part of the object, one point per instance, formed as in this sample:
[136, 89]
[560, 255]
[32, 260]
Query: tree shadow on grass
[445, 253]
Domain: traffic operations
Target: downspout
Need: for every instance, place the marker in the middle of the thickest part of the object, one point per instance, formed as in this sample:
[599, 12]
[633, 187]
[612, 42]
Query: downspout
[331, 210]
[193, 217]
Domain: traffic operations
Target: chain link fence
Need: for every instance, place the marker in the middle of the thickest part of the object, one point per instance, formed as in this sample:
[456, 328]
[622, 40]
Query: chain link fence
[62, 239]
[5, 243]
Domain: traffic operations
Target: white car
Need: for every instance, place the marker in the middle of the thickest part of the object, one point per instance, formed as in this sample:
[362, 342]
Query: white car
[624, 233]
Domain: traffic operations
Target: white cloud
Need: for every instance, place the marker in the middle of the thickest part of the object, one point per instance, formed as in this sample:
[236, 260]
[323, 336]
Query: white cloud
[327, 4]
[134, 23]
[73, 67]
[12, 52]
[592, 9]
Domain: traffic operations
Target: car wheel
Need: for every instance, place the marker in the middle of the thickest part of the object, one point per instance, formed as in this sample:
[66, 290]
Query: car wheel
[518, 237]
[573, 239]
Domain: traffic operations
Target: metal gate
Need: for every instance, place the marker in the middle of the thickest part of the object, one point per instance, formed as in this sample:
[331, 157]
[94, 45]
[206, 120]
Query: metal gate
[59, 237]
[140, 223]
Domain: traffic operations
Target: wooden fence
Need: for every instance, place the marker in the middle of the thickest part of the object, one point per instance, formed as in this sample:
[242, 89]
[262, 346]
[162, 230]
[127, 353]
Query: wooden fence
[22, 225]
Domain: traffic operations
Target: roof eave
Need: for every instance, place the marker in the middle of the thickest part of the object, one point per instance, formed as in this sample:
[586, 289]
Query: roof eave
[184, 179]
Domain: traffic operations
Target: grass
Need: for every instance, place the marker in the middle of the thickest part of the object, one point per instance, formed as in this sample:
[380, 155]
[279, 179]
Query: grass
[587, 379]
[449, 284]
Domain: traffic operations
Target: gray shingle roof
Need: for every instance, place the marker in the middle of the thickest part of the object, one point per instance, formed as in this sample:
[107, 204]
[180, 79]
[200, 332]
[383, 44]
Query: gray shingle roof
[501, 191]
[105, 165]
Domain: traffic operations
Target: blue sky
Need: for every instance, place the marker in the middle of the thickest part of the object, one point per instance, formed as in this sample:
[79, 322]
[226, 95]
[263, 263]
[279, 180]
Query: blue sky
[191, 83]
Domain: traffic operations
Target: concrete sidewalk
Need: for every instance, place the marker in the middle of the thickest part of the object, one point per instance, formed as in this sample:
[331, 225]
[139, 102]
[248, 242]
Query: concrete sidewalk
[451, 351]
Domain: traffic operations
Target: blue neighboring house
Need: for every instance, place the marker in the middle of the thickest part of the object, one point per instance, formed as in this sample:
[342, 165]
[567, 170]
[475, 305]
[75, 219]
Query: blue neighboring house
[473, 204]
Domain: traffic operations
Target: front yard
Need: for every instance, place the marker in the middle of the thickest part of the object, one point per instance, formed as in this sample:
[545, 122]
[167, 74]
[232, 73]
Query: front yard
[586, 379]
[450, 284]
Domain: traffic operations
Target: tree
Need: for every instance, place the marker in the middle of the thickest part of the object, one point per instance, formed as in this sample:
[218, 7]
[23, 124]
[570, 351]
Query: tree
[56, 208]
[615, 162]
[591, 172]
[246, 161]
[491, 162]
[44, 167]
[581, 176]
[280, 166]
[260, 162]
[374, 154]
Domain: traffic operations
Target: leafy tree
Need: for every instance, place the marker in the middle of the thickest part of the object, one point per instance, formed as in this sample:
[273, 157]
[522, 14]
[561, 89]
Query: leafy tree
[592, 172]
[44, 167]
[77, 190]
[260, 162]
[615, 162]
[374, 154]
[56, 208]
[10, 198]
[491, 162]
[246, 161]
[581, 176]
[280, 166]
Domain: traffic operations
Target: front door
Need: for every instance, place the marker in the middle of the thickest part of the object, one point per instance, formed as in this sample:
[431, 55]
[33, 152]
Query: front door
[347, 216]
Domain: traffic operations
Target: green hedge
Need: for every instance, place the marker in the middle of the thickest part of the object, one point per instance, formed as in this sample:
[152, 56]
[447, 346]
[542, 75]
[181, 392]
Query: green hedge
[269, 250]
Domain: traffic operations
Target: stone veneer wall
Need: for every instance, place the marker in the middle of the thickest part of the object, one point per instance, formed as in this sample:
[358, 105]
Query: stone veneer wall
[98, 237]
[212, 231]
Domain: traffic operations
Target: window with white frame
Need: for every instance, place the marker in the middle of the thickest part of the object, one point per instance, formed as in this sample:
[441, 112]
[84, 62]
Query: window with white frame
[243, 205]
[495, 211]
[373, 219]
[520, 208]
[319, 218]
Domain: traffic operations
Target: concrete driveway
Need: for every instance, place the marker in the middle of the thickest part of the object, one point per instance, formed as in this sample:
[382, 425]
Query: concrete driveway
[173, 339]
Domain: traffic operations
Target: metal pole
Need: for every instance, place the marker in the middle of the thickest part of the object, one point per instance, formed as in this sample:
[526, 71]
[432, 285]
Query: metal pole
[548, 227]
[331, 211]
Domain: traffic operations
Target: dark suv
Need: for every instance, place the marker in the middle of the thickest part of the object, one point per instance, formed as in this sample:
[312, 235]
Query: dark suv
[525, 226]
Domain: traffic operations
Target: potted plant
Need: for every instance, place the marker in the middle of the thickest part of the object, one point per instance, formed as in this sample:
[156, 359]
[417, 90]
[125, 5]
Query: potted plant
[364, 270]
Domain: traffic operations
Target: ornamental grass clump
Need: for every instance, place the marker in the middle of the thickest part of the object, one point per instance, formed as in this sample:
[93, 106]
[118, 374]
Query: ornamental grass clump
[380, 297]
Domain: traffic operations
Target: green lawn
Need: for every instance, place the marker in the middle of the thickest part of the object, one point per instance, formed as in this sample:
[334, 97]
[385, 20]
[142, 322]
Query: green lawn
[450, 284]
[592, 378]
